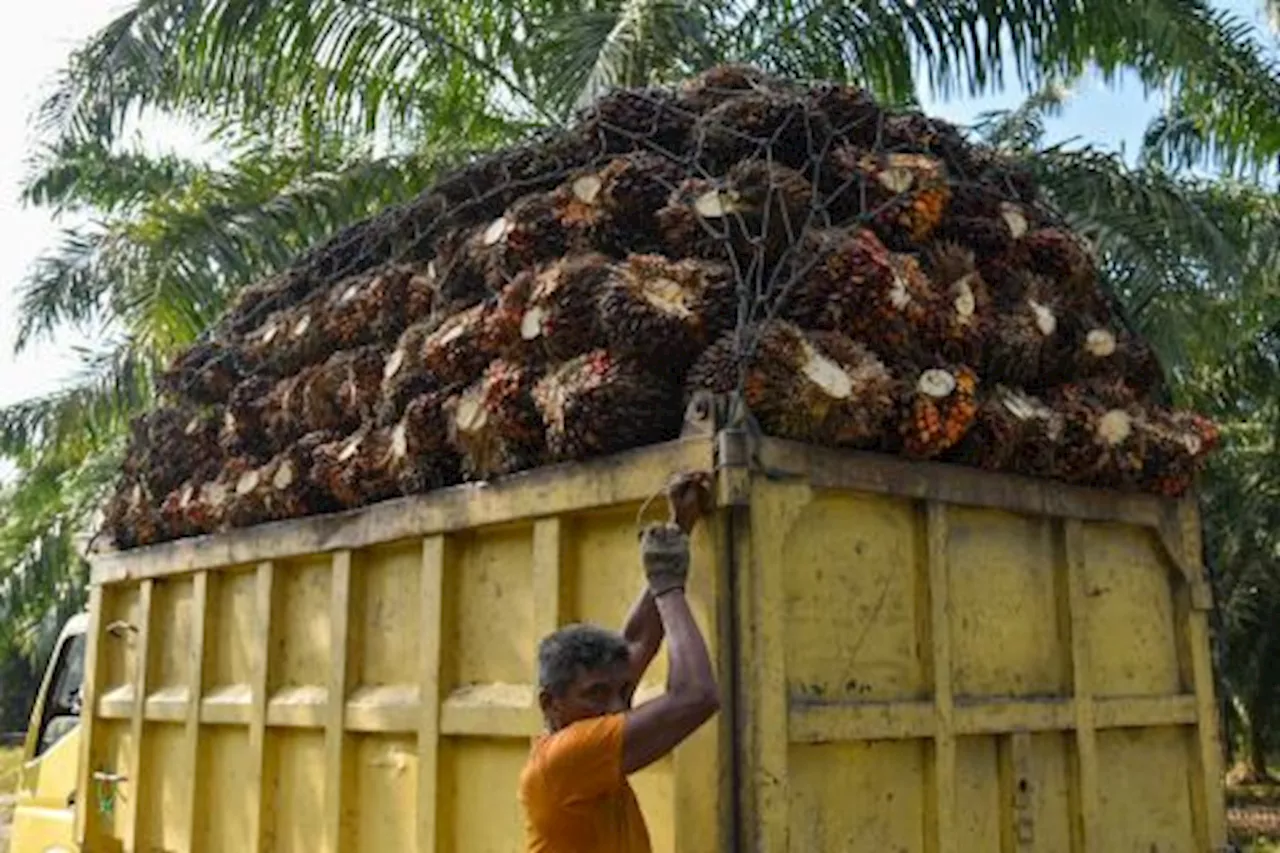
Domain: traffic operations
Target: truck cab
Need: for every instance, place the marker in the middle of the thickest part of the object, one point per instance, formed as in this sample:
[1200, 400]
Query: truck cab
[44, 817]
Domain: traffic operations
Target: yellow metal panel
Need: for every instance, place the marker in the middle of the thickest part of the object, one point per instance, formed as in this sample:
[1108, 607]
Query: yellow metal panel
[162, 790]
[295, 797]
[384, 590]
[335, 712]
[229, 794]
[383, 794]
[170, 634]
[195, 682]
[86, 829]
[233, 631]
[1132, 636]
[258, 767]
[1082, 657]
[858, 796]
[431, 603]
[976, 822]
[301, 638]
[1144, 792]
[134, 787]
[852, 569]
[478, 809]
[1004, 595]
[943, 794]
[491, 586]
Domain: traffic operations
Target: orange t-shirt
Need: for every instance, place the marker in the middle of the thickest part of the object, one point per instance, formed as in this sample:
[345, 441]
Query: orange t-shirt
[576, 798]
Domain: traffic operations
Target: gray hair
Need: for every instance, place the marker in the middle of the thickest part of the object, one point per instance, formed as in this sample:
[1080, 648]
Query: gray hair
[574, 647]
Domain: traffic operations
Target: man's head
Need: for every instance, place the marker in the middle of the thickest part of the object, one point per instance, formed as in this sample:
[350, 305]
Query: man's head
[583, 672]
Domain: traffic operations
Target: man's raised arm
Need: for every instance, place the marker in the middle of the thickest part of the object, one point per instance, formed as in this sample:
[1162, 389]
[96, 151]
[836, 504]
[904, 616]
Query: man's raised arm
[657, 727]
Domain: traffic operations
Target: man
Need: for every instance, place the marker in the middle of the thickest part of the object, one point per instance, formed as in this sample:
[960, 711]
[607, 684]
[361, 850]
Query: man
[574, 789]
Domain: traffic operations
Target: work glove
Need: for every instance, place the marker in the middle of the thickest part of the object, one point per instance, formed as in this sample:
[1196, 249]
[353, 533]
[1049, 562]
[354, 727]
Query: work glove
[664, 550]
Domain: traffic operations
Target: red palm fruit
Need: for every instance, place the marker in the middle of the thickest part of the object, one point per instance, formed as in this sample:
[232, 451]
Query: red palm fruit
[244, 430]
[818, 386]
[916, 132]
[421, 457]
[760, 124]
[460, 347]
[941, 407]
[404, 375]
[529, 233]
[553, 314]
[290, 339]
[597, 404]
[754, 214]
[627, 119]
[615, 208]
[1103, 353]
[852, 113]
[171, 444]
[842, 271]
[1100, 445]
[895, 313]
[205, 374]
[280, 489]
[356, 471]
[662, 313]
[376, 306]
[903, 196]
[717, 85]
[457, 269]
[494, 424]
[1179, 442]
[1029, 346]
[133, 516]
[1013, 432]
[959, 319]
[1064, 259]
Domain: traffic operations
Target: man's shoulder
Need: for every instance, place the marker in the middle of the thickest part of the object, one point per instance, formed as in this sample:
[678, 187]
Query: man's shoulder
[585, 746]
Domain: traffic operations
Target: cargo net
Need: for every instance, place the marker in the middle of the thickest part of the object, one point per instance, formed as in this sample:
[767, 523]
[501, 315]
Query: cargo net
[834, 272]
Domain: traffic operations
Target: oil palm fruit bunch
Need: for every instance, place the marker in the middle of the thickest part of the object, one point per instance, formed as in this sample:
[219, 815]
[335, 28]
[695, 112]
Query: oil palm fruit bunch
[1101, 352]
[615, 207]
[377, 306]
[618, 122]
[459, 348]
[1101, 445]
[902, 196]
[703, 93]
[753, 214]
[852, 114]
[457, 268]
[552, 313]
[836, 277]
[357, 470]
[597, 404]
[1179, 443]
[941, 406]
[760, 124]
[243, 431]
[421, 457]
[1013, 432]
[1029, 345]
[290, 339]
[1064, 259]
[344, 391]
[280, 489]
[916, 132]
[494, 424]
[662, 313]
[405, 375]
[807, 386]
[529, 232]
[959, 320]
[205, 374]
[171, 444]
[133, 516]
[895, 312]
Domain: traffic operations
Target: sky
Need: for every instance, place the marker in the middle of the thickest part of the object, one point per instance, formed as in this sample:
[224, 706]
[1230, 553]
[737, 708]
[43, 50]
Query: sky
[31, 54]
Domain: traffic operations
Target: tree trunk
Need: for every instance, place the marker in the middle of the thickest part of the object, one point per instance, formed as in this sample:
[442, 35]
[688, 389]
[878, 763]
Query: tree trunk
[1258, 742]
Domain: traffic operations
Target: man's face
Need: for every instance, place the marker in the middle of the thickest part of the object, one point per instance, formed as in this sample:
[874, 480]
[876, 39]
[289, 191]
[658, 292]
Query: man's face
[594, 693]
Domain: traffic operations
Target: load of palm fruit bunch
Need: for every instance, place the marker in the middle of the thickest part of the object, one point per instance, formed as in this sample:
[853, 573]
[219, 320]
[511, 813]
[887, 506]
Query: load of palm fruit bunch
[846, 274]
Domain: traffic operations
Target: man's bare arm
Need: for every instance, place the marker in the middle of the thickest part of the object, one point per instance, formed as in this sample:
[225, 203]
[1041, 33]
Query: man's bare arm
[692, 697]
[689, 499]
[643, 633]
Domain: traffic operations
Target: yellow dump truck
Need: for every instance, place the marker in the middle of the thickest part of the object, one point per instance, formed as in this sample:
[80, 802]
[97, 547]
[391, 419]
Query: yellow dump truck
[915, 658]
